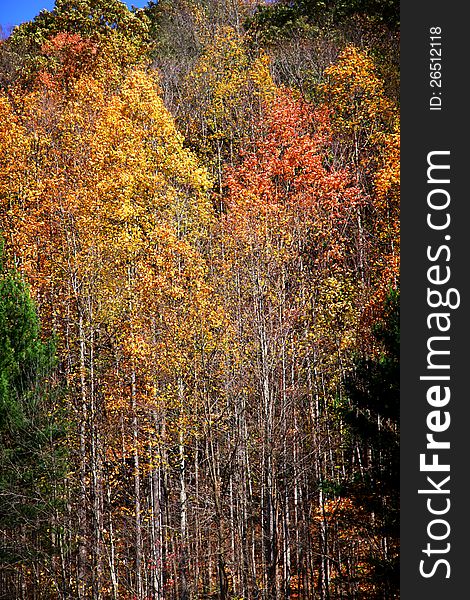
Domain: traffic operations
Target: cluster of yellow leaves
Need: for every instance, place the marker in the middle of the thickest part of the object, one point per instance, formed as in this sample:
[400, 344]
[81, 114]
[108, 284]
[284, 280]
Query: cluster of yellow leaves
[356, 96]
[366, 130]
[229, 84]
[387, 188]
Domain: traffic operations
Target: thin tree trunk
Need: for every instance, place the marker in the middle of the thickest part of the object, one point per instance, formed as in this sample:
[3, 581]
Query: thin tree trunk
[137, 499]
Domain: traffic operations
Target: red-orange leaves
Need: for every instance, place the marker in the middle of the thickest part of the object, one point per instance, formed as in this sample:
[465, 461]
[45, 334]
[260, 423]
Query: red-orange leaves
[66, 56]
[285, 192]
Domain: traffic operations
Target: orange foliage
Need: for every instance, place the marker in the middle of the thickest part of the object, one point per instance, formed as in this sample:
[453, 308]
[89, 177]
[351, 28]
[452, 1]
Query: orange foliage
[67, 56]
[286, 190]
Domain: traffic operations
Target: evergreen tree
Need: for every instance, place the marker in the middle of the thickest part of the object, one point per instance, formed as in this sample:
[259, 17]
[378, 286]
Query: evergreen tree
[372, 415]
[30, 460]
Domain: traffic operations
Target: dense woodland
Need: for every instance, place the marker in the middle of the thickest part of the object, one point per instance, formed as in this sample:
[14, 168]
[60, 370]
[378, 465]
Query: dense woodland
[199, 324]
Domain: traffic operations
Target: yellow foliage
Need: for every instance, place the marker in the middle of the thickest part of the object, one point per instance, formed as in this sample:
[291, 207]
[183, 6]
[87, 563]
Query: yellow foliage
[227, 82]
[356, 96]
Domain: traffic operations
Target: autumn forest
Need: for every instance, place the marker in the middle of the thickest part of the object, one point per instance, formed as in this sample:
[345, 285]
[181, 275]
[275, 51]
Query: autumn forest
[199, 301]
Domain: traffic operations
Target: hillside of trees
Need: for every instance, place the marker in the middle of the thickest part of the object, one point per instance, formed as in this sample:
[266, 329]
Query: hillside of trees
[199, 301]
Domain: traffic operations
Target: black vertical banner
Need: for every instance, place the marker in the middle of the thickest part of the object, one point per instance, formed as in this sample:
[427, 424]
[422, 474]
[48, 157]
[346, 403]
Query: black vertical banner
[435, 401]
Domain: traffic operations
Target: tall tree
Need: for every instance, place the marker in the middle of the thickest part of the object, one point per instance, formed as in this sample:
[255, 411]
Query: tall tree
[371, 411]
[30, 450]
